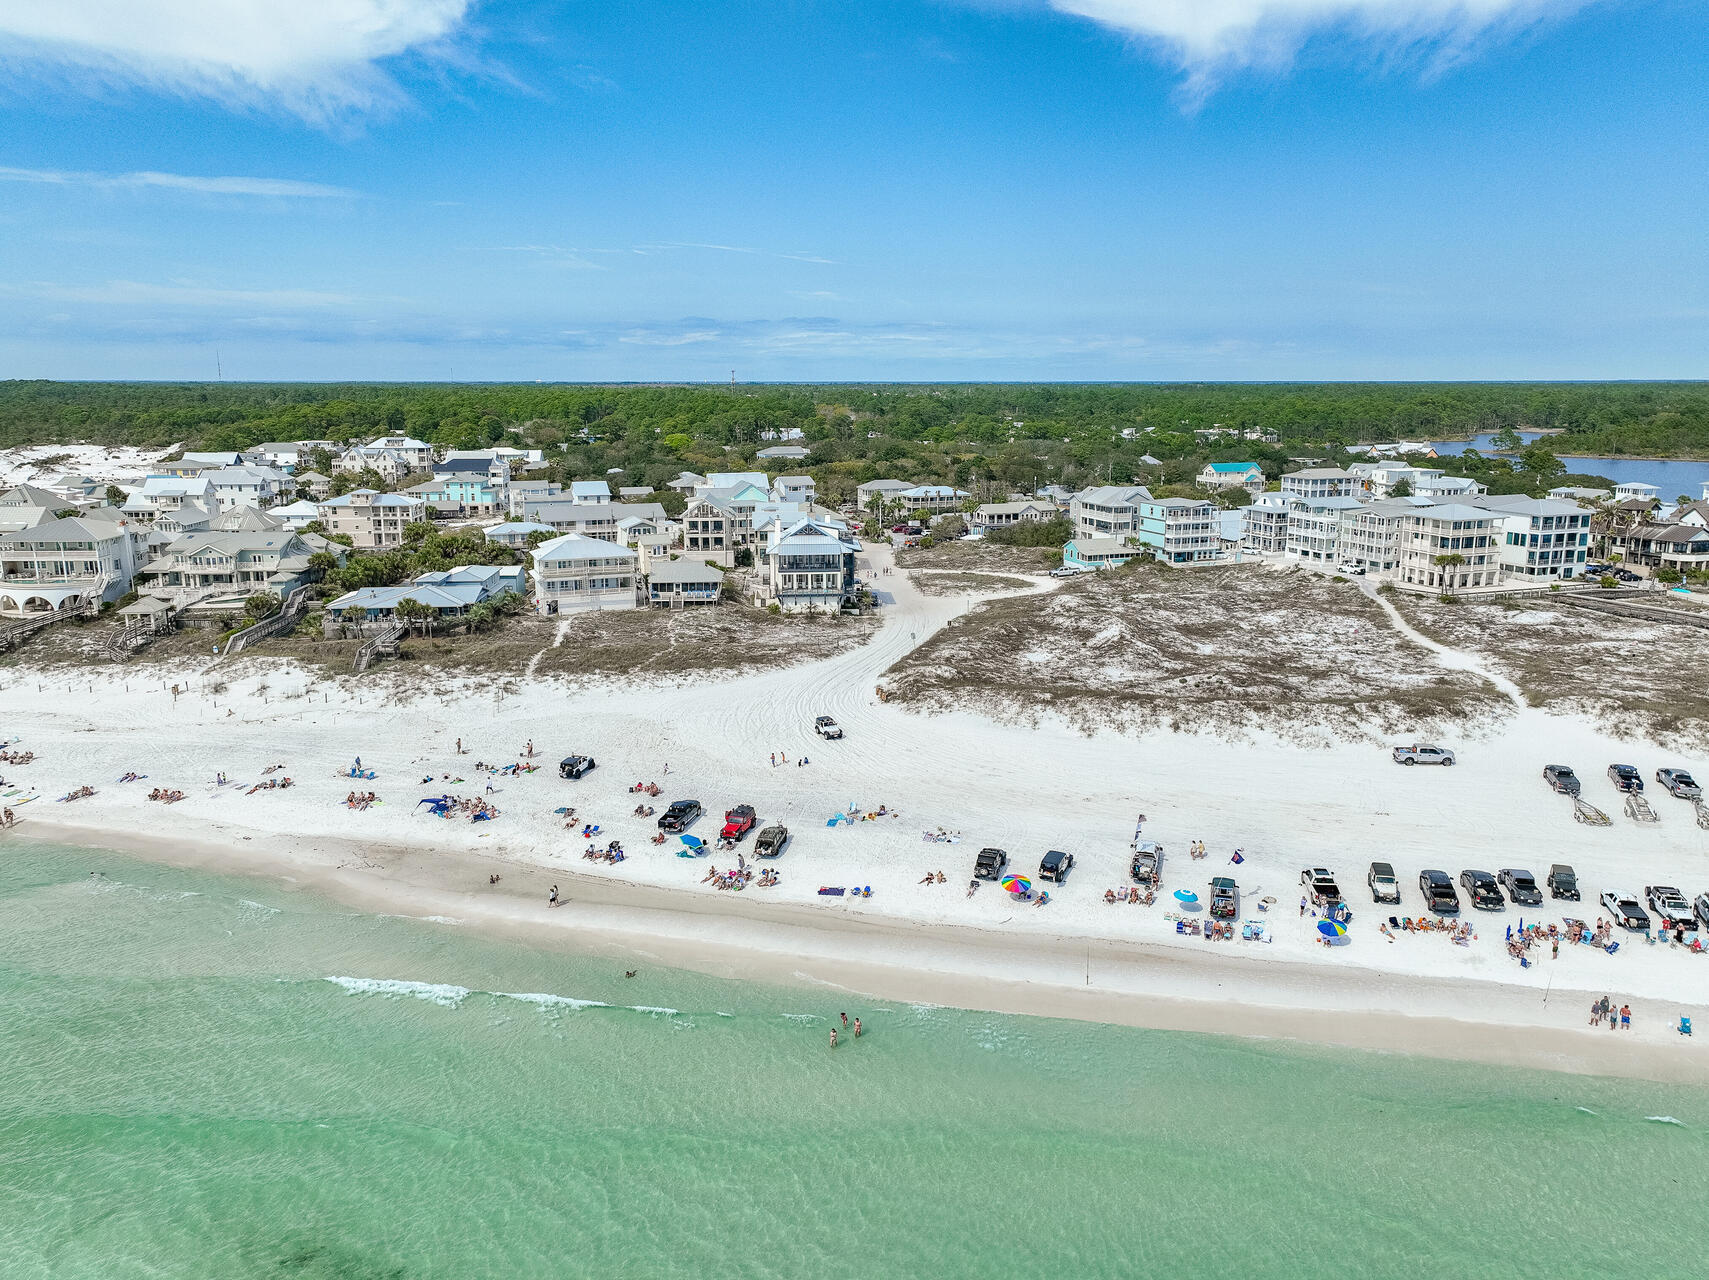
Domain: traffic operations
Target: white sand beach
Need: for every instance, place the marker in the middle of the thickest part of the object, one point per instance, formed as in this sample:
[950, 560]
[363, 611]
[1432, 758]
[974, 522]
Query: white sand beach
[1026, 790]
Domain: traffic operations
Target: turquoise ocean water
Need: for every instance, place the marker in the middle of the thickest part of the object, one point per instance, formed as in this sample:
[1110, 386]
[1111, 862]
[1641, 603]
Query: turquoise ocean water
[216, 1078]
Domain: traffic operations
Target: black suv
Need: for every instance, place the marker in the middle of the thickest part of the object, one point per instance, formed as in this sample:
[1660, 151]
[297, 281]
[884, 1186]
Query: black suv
[1521, 886]
[1438, 891]
[1563, 882]
[680, 816]
[990, 863]
[1055, 866]
[574, 766]
[1482, 889]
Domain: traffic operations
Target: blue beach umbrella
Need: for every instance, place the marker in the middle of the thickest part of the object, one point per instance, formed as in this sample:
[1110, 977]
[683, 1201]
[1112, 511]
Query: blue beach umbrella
[1185, 896]
[693, 842]
[1332, 928]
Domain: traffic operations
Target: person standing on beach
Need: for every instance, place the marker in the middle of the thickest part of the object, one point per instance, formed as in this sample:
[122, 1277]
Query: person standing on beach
[552, 898]
[459, 746]
[1625, 1018]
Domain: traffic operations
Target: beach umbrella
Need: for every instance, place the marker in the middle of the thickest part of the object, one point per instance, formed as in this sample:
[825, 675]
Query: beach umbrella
[1017, 884]
[1332, 928]
[693, 842]
[1186, 895]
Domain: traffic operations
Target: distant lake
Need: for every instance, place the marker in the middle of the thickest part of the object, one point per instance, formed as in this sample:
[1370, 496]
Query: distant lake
[1674, 478]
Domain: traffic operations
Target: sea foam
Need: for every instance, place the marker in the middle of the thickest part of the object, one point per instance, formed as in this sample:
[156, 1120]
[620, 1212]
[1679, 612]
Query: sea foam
[439, 993]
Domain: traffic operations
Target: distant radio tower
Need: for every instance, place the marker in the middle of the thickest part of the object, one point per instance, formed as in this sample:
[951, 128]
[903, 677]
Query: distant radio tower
[732, 379]
[219, 373]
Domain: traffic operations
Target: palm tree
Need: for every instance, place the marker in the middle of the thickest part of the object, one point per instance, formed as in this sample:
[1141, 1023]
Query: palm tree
[1452, 560]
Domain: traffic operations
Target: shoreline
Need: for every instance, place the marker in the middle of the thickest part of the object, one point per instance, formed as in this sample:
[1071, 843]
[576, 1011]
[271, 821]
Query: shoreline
[1137, 984]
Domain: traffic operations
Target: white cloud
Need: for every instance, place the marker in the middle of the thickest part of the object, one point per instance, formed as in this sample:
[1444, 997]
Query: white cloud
[177, 182]
[1210, 38]
[319, 58]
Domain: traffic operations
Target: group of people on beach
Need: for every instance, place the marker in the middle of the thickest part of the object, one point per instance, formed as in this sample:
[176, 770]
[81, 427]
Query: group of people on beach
[1132, 895]
[612, 853]
[166, 795]
[271, 784]
[17, 757]
[1604, 1011]
[360, 800]
[1461, 933]
[740, 877]
[933, 877]
[777, 758]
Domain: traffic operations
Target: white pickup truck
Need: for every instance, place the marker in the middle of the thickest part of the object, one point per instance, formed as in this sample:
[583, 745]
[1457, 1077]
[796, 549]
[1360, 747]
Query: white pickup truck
[1418, 753]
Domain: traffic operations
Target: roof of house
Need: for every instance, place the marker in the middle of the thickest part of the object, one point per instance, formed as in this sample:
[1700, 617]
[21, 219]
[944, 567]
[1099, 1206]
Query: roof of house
[684, 570]
[634, 491]
[64, 529]
[459, 595]
[305, 476]
[1231, 468]
[794, 482]
[572, 546]
[1101, 546]
[884, 486]
[1320, 473]
[398, 442]
[379, 499]
[733, 479]
[513, 528]
[28, 495]
[1659, 533]
[243, 519]
[931, 491]
[589, 489]
[1011, 508]
[1637, 486]
[1519, 504]
[1454, 511]
[1179, 504]
[783, 451]
[1114, 495]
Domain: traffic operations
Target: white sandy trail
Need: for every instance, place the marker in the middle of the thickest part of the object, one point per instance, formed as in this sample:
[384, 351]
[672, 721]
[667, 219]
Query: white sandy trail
[1452, 659]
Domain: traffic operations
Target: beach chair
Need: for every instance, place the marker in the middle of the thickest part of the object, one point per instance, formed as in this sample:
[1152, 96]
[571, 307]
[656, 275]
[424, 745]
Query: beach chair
[1684, 1026]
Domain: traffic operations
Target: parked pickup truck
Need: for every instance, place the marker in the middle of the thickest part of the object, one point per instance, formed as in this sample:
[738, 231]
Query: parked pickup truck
[1626, 777]
[1626, 911]
[738, 822]
[1438, 891]
[680, 816]
[1677, 782]
[1418, 753]
[1521, 886]
[1321, 886]
[771, 841]
[1561, 778]
[1384, 886]
[1225, 898]
[989, 864]
[1147, 865]
[1670, 906]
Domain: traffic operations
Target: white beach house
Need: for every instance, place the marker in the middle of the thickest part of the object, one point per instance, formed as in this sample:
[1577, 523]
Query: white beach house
[574, 573]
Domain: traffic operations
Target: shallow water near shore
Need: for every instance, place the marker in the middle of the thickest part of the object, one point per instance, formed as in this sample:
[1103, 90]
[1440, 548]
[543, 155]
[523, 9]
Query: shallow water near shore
[213, 1077]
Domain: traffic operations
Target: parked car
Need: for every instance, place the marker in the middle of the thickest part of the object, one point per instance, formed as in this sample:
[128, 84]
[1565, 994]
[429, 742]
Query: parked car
[1521, 886]
[1351, 570]
[1384, 887]
[1438, 891]
[1563, 882]
[771, 841]
[1066, 571]
[680, 816]
[826, 727]
[1418, 753]
[1320, 886]
[990, 863]
[1626, 777]
[738, 822]
[1055, 866]
[1225, 898]
[1482, 889]
[574, 766]
[1670, 906]
[1561, 778]
[1625, 910]
[1677, 782]
[1147, 865]
[1702, 907]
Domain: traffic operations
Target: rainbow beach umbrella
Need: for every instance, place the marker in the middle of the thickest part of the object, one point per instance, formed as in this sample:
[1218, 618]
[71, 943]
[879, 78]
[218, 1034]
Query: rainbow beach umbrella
[1017, 884]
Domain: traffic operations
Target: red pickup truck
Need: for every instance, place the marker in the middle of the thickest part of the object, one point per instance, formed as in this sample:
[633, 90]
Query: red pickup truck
[738, 822]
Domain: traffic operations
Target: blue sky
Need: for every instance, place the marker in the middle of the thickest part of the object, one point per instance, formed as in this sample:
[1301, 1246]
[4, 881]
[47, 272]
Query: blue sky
[818, 189]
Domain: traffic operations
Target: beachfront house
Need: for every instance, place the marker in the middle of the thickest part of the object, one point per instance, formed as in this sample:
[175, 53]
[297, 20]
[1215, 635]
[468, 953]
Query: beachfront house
[515, 533]
[677, 584]
[160, 493]
[1314, 528]
[1264, 524]
[287, 455]
[1539, 539]
[1107, 511]
[686, 483]
[1580, 493]
[520, 493]
[1096, 553]
[1001, 515]
[1369, 536]
[574, 573]
[390, 466]
[449, 593]
[416, 455]
[811, 567]
[467, 497]
[294, 515]
[1441, 488]
[313, 483]
[1232, 475]
[1322, 482]
[1448, 548]
[784, 452]
[734, 480]
[248, 486]
[475, 464]
[930, 497]
[1180, 530]
[235, 563]
[372, 521]
[69, 563]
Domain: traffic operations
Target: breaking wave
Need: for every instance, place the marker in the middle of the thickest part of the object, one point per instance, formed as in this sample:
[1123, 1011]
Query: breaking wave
[450, 997]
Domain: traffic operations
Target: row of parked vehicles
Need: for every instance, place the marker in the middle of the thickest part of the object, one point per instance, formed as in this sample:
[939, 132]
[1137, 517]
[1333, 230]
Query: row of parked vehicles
[739, 821]
[1626, 778]
[1054, 866]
